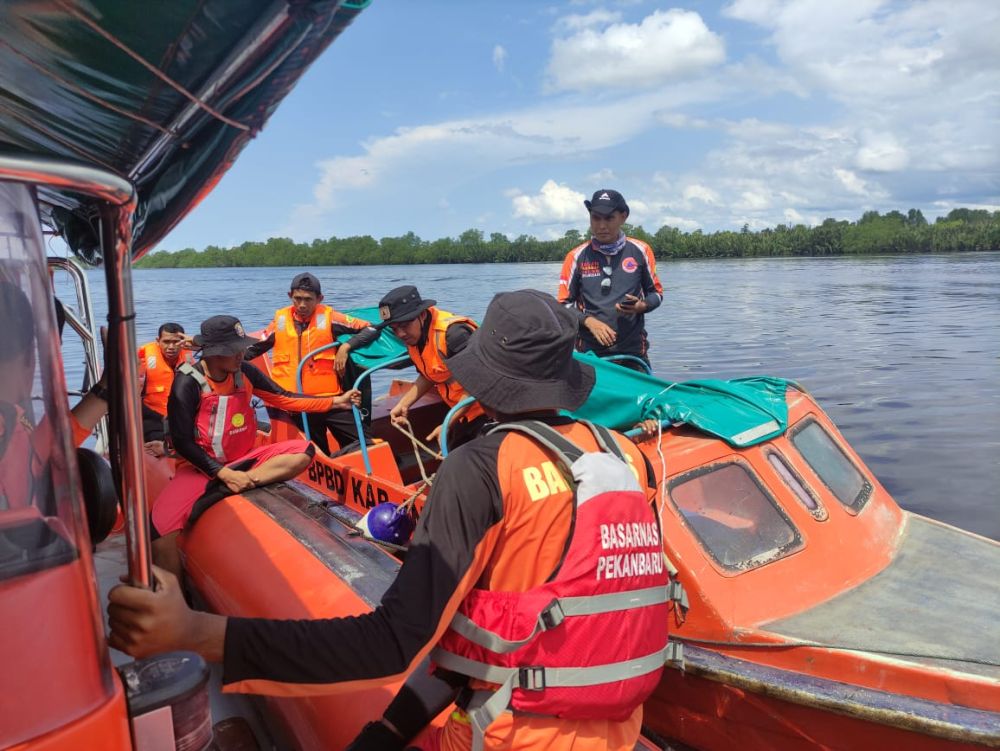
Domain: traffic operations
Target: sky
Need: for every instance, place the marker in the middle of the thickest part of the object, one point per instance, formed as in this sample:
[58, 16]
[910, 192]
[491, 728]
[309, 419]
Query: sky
[443, 115]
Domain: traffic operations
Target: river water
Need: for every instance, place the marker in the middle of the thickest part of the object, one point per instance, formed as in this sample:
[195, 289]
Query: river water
[903, 352]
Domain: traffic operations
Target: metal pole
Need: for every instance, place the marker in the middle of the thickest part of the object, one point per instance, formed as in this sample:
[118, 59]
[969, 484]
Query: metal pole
[125, 449]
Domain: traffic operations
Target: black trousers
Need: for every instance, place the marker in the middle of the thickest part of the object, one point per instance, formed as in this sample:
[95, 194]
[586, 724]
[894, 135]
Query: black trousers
[340, 422]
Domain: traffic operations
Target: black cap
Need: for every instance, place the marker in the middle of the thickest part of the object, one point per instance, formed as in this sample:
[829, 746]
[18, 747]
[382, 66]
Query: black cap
[606, 202]
[402, 304]
[222, 335]
[521, 358]
[307, 283]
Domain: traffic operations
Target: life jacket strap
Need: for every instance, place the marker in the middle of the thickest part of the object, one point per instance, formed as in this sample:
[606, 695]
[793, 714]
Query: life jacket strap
[199, 377]
[557, 611]
[536, 678]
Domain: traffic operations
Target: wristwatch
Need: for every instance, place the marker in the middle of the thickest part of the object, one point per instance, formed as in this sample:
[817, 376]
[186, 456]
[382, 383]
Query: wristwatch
[99, 390]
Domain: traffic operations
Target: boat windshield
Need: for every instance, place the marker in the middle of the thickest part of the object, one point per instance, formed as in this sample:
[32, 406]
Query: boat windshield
[733, 517]
[40, 524]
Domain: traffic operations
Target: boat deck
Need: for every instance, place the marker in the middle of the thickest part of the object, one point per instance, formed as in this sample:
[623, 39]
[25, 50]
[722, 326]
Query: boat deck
[931, 605]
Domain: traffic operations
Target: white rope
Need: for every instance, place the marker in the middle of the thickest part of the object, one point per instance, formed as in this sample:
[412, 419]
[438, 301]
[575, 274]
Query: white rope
[417, 445]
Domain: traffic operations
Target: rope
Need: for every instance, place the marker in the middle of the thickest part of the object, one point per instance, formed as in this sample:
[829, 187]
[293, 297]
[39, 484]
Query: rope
[150, 67]
[417, 445]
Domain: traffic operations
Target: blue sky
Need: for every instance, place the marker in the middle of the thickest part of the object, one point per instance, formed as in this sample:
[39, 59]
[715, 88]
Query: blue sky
[443, 115]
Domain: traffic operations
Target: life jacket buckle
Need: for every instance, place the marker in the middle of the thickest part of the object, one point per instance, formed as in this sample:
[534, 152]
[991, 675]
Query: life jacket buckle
[552, 615]
[531, 678]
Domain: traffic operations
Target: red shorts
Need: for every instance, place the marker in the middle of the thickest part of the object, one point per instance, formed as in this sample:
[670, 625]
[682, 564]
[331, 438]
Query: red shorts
[173, 505]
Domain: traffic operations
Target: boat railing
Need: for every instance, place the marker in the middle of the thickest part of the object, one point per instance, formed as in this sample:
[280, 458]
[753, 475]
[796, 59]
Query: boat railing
[81, 320]
[646, 368]
[449, 417]
[357, 385]
[116, 203]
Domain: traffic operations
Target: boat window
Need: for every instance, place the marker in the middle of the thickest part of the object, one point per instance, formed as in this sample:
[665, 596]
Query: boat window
[733, 517]
[831, 464]
[40, 524]
[796, 485]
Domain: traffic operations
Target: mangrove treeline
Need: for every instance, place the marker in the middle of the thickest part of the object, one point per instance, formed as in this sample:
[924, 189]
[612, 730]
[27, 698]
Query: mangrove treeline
[873, 233]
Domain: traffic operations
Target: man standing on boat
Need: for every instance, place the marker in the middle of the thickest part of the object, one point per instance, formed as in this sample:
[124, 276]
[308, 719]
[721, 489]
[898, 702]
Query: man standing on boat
[431, 336]
[610, 282]
[298, 329]
[157, 361]
[503, 522]
[213, 429]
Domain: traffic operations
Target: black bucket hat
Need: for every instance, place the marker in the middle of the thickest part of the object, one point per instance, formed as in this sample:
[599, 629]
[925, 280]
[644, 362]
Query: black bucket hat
[606, 202]
[402, 304]
[521, 358]
[222, 335]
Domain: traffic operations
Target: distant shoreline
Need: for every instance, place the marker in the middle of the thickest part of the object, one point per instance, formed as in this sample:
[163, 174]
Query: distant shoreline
[894, 233]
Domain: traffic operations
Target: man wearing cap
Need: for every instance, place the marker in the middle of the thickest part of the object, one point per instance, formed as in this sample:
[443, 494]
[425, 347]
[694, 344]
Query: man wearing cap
[610, 282]
[298, 329]
[431, 336]
[213, 429]
[500, 521]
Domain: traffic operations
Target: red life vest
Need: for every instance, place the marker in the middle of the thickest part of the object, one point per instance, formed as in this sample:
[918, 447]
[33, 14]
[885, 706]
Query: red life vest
[591, 642]
[225, 426]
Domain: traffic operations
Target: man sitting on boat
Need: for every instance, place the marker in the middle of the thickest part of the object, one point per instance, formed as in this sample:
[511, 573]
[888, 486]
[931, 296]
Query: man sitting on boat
[431, 336]
[502, 521]
[610, 282]
[157, 361]
[213, 429]
[297, 330]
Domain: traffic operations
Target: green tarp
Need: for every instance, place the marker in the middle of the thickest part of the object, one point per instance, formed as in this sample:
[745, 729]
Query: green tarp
[742, 412]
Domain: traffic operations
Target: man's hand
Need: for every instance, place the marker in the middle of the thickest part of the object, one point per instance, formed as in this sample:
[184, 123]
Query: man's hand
[398, 415]
[188, 342]
[340, 362]
[604, 334]
[347, 399]
[631, 306]
[434, 434]
[235, 480]
[649, 428]
[154, 448]
[145, 622]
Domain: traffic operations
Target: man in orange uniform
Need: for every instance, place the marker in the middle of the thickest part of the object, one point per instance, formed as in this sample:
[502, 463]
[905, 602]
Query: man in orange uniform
[501, 520]
[297, 330]
[158, 360]
[213, 429]
[431, 336]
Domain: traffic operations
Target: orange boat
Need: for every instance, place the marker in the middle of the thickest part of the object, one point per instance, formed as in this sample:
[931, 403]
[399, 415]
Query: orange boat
[820, 614]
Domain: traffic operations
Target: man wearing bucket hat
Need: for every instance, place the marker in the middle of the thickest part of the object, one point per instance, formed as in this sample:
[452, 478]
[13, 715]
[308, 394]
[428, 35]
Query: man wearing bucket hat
[610, 282]
[431, 336]
[301, 327]
[213, 430]
[501, 520]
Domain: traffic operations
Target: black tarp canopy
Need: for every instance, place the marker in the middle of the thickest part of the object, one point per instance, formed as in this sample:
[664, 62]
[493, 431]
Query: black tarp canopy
[163, 93]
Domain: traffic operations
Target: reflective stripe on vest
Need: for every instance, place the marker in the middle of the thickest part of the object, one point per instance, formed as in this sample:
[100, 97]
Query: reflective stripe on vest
[225, 425]
[318, 376]
[567, 647]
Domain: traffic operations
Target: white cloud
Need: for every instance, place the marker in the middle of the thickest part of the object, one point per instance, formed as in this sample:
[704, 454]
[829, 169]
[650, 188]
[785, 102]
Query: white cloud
[852, 182]
[598, 17]
[553, 204]
[499, 57]
[700, 193]
[882, 153]
[664, 46]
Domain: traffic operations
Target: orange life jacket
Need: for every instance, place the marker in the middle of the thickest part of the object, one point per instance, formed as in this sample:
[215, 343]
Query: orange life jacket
[157, 375]
[318, 376]
[225, 425]
[430, 360]
[20, 465]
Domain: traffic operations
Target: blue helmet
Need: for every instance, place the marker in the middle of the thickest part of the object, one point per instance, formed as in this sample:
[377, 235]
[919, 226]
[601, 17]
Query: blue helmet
[387, 522]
